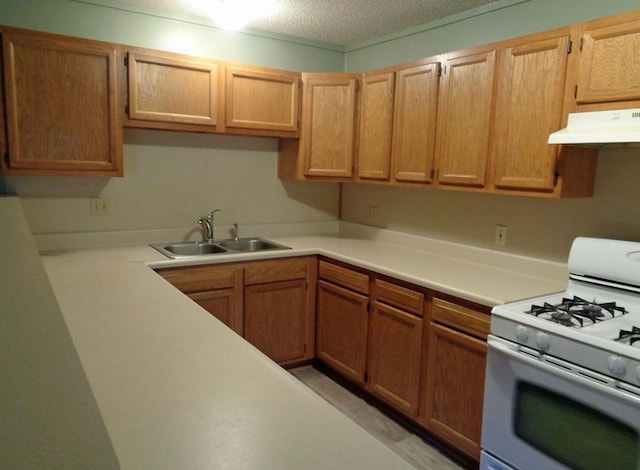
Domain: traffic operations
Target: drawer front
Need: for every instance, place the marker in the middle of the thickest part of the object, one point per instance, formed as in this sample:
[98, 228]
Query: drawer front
[281, 269]
[345, 277]
[202, 278]
[400, 297]
[461, 318]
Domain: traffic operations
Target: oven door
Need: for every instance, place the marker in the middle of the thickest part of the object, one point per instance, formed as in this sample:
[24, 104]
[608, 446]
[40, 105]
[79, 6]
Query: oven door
[546, 413]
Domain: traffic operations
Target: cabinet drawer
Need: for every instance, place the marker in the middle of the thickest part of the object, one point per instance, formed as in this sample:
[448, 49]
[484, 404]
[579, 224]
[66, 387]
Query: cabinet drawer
[401, 297]
[345, 277]
[461, 318]
[282, 269]
[202, 278]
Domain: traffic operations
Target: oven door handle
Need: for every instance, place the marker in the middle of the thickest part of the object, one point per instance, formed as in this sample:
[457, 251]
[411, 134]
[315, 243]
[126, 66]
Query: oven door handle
[564, 369]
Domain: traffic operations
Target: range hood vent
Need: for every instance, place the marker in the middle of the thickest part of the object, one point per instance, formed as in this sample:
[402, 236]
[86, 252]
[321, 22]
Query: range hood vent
[620, 127]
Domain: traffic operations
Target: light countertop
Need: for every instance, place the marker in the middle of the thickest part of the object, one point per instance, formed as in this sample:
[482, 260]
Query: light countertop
[177, 389]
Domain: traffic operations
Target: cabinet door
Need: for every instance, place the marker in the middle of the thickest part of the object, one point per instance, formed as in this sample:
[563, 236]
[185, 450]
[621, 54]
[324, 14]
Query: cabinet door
[376, 124]
[414, 123]
[61, 106]
[224, 304]
[528, 108]
[455, 388]
[609, 64]
[329, 124]
[466, 98]
[275, 319]
[395, 342]
[342, 322]
[170, 88]
[262, 99]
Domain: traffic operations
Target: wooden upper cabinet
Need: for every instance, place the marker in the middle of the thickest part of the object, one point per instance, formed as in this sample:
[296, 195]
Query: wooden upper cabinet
[414, 123]
[609, 69]
[259, 98]
[329, 113]
[61, 101]
[529, 100]
[376, 125]
[171, 89]
[464, 118]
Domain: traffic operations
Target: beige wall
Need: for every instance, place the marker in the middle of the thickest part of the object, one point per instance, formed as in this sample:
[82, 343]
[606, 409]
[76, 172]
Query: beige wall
[172, 179]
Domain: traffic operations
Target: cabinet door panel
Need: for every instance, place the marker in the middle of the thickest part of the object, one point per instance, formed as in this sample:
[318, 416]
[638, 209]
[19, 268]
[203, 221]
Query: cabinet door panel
[455, 384]
[224, 304]
[342, 330]
[395, 344]
[165, 88]
[610, 64]
[258, 99]
[61, 105]
[464, 118]
[329, 123]
[528, 109]
[275, 319]
[414, 123]
[376, 124]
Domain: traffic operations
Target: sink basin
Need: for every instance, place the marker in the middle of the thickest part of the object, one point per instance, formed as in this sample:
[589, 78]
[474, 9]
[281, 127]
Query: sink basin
[250, 244]
[179, 250]
[175, 250]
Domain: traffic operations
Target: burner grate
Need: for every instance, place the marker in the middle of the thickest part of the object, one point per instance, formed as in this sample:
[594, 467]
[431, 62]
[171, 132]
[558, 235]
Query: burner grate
[577, 312]
[631, 336]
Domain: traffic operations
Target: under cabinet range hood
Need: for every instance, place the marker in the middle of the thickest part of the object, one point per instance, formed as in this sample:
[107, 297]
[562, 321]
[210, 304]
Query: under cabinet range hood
[620, 127]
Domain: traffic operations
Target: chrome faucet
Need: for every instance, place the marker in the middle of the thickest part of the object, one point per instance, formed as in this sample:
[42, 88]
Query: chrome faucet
[235, 232]
[207, 223]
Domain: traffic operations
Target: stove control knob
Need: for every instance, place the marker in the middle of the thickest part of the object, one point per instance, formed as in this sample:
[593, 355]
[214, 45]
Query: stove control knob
[522, 333]
[542, 341]
[616, 366]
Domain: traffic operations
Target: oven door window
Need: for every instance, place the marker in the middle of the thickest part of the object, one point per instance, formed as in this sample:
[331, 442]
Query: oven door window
[573, 434]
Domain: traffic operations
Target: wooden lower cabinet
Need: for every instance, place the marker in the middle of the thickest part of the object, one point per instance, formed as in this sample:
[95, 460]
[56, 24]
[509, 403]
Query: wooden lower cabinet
[273, 319]
[342, 323]
[270, 303]
[395, 343]
[455, 367]
[217, 288]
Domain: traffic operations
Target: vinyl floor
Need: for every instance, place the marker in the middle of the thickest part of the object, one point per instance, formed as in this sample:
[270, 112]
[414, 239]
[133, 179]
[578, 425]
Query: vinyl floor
[403, 442]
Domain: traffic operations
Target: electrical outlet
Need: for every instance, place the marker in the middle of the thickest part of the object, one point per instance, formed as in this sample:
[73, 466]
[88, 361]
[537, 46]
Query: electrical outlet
[501, 235]
[98, 206]
[372, 213]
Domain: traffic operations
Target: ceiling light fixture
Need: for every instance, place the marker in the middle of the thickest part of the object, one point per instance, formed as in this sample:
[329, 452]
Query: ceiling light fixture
[233, 15]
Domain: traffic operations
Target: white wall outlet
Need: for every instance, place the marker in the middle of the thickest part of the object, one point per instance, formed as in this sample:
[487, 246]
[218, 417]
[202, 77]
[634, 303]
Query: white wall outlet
[501, 235]
[98, 206]
[372, 213]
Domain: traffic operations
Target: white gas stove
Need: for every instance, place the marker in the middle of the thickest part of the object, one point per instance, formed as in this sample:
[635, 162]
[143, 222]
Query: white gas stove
[564, 367]
[595, 323]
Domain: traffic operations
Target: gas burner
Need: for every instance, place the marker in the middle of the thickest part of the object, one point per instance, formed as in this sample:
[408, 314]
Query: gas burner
[577, 312]
[629, 336]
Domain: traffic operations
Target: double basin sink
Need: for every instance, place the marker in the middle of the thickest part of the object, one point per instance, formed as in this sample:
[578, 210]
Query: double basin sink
[241, 245]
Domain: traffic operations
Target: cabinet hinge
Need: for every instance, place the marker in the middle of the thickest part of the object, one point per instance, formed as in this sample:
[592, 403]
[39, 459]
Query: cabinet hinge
[126, 61]
[433, 173]
[569, 46]
[441, 69]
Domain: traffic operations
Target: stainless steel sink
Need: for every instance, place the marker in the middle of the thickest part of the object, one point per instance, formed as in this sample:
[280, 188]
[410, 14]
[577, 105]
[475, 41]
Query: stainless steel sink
[249, 244]
[179, 250]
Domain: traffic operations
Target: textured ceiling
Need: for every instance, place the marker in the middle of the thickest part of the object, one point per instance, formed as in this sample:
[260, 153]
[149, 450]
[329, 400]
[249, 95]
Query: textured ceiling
[338, 22]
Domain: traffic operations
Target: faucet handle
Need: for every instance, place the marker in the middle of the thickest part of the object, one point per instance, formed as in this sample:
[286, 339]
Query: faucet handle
[213, 212]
